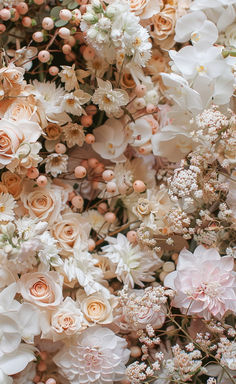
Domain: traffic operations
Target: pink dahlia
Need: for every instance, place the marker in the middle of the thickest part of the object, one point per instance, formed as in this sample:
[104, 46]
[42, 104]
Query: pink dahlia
[204, 282]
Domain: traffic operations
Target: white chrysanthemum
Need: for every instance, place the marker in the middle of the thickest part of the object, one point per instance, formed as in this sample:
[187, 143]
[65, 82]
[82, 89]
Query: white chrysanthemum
[48, 95]
[109, 100]
[97, 356]
[56, 164]
[73, 134]
[7, 205]
[81, 267]
[132, 264]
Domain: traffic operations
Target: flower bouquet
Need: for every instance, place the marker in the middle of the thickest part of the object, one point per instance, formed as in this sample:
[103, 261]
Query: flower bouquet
[117, 191]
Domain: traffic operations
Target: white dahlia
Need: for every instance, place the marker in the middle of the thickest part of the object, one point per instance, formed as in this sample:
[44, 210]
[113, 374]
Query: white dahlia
[96, 356]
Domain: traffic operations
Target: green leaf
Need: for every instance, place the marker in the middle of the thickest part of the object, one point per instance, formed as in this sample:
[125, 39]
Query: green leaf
[55, 12]
[61, 23]
[73, 4]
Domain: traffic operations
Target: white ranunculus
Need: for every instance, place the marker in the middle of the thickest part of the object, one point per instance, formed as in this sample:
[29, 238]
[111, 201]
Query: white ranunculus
[97, 356]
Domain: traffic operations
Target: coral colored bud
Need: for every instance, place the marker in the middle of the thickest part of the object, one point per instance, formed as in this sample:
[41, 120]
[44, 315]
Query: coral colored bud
[27, 21]
[92, 162]
[139, 186]
[51, 381]
[65, 14]
[66, 49]
[80, 172]
[132, 236]
[108, 175]
[42, 181]
[32, 173]
[91, 245]
[88, 53]
[39, 2]
[42, 366]
[22, 8]
[53, 71]
[2, 28]
[99, 169]
[64, 33]
[140, 90]
[48, 23]
[5, 14]
[91, 109]
[77, 202]
[110, 217]
[38, 37]
[86, 121]
[60, 148]
[44, 56]
[111, 187]
[102, 208]
[89, 138]
[150, 108]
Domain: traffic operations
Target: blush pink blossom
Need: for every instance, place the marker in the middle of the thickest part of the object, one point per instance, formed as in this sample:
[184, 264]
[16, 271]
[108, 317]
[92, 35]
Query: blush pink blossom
[204, 282]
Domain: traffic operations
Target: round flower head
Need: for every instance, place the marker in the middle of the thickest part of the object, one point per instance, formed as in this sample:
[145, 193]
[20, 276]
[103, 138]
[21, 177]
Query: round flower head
[97, 356]
[204, 282]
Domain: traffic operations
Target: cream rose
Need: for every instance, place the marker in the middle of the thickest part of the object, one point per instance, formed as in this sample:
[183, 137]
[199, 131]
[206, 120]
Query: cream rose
[97, 308]
[12, 135]
[13, 183]
[164, 23]
[44, 203]
[22, 109]
[42, 289]
[142, 208]
[71, 232]
[67, 320]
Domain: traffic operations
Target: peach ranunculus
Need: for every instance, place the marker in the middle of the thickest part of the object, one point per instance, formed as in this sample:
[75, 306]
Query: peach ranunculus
[71, 232]
[44, 203]
[11, 80]
[13, 183]
[42, 289]
[97, 308]
[164, 23]
[145, 8]
[12, 135]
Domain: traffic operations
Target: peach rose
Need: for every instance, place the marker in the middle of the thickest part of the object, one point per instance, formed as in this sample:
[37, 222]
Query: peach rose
[13, 183]
[42, 289]
[145, 8]
[11, 79]
[23, 108]
[12, 135]
[164, 23]
[97, 308]
[44, 203]
[71, 232]
[53, 131]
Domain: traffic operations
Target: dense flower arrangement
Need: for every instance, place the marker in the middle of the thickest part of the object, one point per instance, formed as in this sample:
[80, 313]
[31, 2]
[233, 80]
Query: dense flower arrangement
[117, 191]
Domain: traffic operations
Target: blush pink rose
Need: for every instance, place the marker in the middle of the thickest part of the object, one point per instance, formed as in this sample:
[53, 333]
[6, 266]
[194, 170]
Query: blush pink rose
[42, 289]
[204, 282]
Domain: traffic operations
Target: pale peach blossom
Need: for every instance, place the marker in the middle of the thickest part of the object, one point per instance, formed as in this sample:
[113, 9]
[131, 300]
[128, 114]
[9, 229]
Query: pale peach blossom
[11, 79]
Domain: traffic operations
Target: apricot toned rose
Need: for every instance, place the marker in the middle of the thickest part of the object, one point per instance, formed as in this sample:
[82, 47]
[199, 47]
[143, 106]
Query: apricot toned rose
[43, 289]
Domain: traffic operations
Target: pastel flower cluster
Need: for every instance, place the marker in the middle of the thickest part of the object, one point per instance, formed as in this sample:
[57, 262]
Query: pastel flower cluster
[117, 191]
